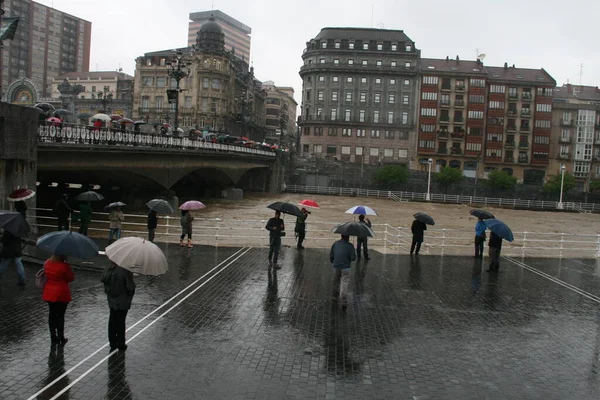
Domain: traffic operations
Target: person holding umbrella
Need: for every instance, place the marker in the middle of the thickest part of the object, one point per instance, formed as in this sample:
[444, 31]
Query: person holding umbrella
[300, 227]
[480, 229]
[276, 230]
[58, 295]
[341, 255]
[152, 224]
[417, 230]
[11, 253]
[85, 217]
[116, 219]
[495, 246]
[62, 210]
[361, 241]
[119, 288]
[187, 220]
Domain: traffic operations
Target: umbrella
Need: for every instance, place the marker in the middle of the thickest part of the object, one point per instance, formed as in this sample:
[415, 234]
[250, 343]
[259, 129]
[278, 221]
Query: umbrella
[21, 195]
[115, 204]
[54, 119]
[309, 203]
[101, 117]
[38, 109]
[45, 106]
[61, 111]
[115, 117]
[192, 205]
[483, 214]
[125, 121]
[89, 196]
[353, 229]
[424, 218]
[179, 130]
[84, 116]
[247, 139]
[13, 222]
[361, 210]
[286, 208]
[138, 255]
[67, 243]
[160, 206]
[499, 228]
[139, 123]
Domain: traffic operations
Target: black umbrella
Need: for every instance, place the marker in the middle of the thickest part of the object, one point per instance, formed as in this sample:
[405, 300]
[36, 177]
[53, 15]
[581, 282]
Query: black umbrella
[481, 214]
[424, 218]
[14, 223]
[115, 204]
[139, 123]
[84, 116]
[353, 229]
[37, 109]
[61, 111]
[45, 106]
[89, 196]
[160, 206]
[286, 208]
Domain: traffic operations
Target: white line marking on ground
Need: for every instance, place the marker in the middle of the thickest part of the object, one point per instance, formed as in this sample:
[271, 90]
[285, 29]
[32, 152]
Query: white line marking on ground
[577, 290]
[133, 326]
[80, 377]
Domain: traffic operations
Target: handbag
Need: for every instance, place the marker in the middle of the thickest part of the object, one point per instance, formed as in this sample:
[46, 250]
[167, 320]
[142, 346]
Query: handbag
[40, 279]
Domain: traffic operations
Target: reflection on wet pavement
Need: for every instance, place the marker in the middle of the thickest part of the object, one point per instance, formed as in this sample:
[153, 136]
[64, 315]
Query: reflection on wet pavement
[416, 327]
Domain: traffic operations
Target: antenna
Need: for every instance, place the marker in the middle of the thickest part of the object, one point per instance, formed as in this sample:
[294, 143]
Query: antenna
[580, 73]
[380, 25]
[372, 10]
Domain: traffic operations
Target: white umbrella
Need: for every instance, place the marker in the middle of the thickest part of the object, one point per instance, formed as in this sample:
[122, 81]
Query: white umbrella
[138, 255]
[102, 117]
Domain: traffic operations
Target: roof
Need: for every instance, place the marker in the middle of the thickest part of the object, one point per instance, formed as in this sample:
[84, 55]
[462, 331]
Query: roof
[95, 75]
[363, 33]
[524, 75]
[434, 65]
[579, 92]
[168, 52]
[220, 16]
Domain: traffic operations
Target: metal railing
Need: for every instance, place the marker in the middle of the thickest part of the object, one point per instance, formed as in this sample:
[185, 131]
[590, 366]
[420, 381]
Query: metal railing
[85, 135]
[445, 198]
[388, 239]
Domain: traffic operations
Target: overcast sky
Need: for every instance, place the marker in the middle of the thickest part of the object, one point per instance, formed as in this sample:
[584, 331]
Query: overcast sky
[556, 35]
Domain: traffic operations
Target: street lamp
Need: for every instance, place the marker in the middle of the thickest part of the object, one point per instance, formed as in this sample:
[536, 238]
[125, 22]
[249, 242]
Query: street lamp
[177, 69]
[562, 182]
[429, 162]
[105, 98]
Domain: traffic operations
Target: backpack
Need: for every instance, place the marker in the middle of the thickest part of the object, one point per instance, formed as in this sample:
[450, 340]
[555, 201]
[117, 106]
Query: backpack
[41, 279]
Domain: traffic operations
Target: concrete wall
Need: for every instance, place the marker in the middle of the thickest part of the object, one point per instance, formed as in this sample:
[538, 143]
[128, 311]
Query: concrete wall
[18, 151]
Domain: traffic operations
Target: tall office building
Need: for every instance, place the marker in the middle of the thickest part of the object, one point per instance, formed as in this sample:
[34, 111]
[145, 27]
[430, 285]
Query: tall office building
[48, 43]
[237, 35]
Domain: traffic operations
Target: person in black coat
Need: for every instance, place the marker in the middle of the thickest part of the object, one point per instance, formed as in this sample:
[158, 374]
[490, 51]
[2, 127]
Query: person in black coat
[63, 210]
[417, 230]
[152, 224]
[495, 246]
[11, 252]
[276, 230]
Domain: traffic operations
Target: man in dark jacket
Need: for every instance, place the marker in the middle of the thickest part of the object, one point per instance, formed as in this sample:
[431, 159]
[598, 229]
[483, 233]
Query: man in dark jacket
[152, 224]
[417, 230]
[62, 209]
[11, 252]
[495, 246]
[276, 229]
[341, 256]
[85, 217]
[300, 227]
[119, 288]
[362, 241]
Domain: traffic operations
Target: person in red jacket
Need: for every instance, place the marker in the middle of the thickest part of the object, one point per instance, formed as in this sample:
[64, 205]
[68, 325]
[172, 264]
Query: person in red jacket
[58, 295]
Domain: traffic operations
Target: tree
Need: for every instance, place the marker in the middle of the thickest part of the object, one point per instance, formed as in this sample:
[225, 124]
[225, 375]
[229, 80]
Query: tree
[448, 176]
[553, 185]
[391, 175]
[595, 186]
[502, 180]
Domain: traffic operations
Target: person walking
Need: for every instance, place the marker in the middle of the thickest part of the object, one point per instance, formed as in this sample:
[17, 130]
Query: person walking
[341, 256]
[11, 253]
[276, 230]
[85, 217]
[361, 241]
[479, 238]
[152, 224]
[186, 228]
[417, 230]
[116, 219]
[300, 227]
[58, 296]
[21, 208]
[495, 246]
[119, 288]
[62, 210]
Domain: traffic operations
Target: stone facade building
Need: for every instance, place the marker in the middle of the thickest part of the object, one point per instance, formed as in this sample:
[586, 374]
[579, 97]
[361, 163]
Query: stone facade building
[237, 34]
[359, 96]
[220, 94]
[280, 113]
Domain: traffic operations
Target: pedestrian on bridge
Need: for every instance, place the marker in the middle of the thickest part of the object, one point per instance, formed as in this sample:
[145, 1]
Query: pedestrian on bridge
[186, 228]
[116, 219]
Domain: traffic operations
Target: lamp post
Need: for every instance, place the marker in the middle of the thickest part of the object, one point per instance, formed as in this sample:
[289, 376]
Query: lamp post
[177, 69]
[105, 98]
[429, 162]
[562, 182]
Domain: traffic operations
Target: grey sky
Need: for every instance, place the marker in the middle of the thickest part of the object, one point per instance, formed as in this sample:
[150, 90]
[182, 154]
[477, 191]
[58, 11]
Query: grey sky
[556, 35]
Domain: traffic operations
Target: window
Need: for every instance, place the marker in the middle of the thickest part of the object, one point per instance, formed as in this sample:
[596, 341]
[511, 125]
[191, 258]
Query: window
[408, 47]
[402, 153]
[319, 112]
[361, 115]
[389, 134]
[361, 132]
[321, 79]
[378, 81]
[391, 98]
[347, 114]
[540, 156]
[145, 101]
[363, 80]
[542, 124]
[365, 63]
[365, 46]
[334, 114]
[477, 82]
[427, 144]
[350, 62]
[392, 81]
[334, 95]
[388, 153]
[146, 81]
[320, 95]
[318, 132]
[473, 147]
[493, 153]
[374, 152]
[378, 63]
[345, 150]
[349, 79]
[393, 64]
[390, 119]
[347, 132]
[404, 118]
[336, 61]
[161, 81]
[363, 97]
[407, 82]
[497, 105]
[430, 80]
[566, 117]
[475, 114]
[405, 99]
[337, 45]
[564, 150]
[377, 97]
[158, 100]
[476, 99]
[216, 84]
[321, 61]
[445, 99]
[403, 136]
[474, 131]
[427, 128]
[323, 45]
[332, 131]
[407, 64]
[547, 92]
[494, 137]
[308, 95]
[565, 134]
[376, 116]
[348, 96]
[374, 133]
[379, 46]
[497, 89]
[544, 107]
[432, 112]
[335, 79]
[394, 46]
[541, 140]
[351, 45]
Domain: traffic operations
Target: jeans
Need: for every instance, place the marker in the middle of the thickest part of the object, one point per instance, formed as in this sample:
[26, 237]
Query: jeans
[301, 236]
[494, 254]
[151, 234]
[479, 240]
[114, 232]
[362, 242]
[4, 262]
[274, 245]
[341, 282]
[415, 246]
[56, 320]
[116, 328]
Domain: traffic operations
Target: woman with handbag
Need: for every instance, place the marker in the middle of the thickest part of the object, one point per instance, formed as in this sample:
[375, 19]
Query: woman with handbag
[58, 295]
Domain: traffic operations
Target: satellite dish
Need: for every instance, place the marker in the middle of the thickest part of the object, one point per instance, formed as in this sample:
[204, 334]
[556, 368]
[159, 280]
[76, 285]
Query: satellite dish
[481, 57]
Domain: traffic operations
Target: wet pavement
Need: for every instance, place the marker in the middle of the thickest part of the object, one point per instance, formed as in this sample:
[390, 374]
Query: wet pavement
[416, 328]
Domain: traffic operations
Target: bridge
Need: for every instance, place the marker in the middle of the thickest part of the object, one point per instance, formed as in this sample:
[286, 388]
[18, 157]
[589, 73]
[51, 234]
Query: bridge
[83, 154]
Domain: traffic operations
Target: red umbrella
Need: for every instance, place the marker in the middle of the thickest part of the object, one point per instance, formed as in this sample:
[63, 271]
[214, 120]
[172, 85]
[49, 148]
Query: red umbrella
[54, 119]
[21, 195]
[247, 139]
[309, 203]
[166, 125]
[116, 117]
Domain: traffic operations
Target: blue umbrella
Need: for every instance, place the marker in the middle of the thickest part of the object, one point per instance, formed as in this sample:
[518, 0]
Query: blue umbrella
[67, 243]
[499, 228]
[364, 210]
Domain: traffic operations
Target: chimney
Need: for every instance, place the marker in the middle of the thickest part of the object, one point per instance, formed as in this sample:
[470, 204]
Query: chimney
[513, 65]
[447, 58]
[457, 59]
[505, 65]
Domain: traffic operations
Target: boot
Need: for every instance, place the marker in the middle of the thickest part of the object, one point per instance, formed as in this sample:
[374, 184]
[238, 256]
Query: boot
[181, 243]
[190, 244]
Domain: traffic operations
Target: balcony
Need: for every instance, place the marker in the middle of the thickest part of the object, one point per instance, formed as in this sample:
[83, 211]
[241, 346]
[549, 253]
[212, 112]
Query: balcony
[513, 96]
[456, 151]
[523, 160]
[459, 121]
[444, 119]
[443, 135]
[527, 96]
[525, 113]
[509, 145]
[565, 140]
[457, 135]
[509, 159]
[523, 145]
[525, 129]
[442, 150]
[446, 88]
[511, 128]
[566, 123]
[445, 103]
[459, 103]
[460, 88]
[564, 156]
[512, 113]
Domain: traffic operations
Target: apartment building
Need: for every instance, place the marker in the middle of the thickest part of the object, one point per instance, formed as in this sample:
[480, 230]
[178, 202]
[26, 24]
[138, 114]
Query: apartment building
[237, 34]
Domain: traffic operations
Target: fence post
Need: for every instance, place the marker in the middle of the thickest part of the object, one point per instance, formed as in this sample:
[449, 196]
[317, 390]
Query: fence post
[217, 235]
[562, 239]
[385, 238]
[443, 240]
[598, 246]
[524, 244]
[168, 218]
